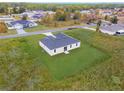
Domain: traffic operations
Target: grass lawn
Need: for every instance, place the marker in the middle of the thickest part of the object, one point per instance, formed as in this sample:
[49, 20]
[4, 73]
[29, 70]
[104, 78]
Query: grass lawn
[43, 27]
[62, 65]
[37, 28]
[26, 66]
[9, 32]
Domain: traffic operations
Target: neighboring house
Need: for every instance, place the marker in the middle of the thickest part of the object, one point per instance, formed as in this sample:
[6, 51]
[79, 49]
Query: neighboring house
[38, 11]
[112, 29]
[6, 18]
[105, 12]
[37, 17]
[28, 13]
[59, 43]
[24, 23]
[85, 11]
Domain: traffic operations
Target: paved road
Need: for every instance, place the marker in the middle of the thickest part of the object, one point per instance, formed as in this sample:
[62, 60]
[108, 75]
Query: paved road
[43, 31]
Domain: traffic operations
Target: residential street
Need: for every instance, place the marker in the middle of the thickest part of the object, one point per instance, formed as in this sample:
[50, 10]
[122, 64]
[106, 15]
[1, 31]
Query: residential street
[45, 31]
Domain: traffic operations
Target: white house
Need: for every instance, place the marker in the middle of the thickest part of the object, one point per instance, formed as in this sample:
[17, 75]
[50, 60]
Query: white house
[6, 19]
[85, 11]
[59, 43]
[113, 29]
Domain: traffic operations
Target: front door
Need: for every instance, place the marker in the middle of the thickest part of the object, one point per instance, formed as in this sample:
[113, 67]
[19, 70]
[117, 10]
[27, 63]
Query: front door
[65, 48]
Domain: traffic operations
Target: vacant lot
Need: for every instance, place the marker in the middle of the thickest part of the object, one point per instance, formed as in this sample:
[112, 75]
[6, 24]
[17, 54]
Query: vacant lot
[97, 65]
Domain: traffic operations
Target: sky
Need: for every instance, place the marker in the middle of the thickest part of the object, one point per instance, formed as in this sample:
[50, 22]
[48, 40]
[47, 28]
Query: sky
[66, 1]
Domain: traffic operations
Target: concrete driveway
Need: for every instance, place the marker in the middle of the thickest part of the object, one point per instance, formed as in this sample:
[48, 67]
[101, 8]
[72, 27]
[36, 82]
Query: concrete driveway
[20, 31]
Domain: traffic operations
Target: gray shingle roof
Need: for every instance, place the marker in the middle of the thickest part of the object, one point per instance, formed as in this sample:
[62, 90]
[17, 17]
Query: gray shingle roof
[113, 28]
[61, 40]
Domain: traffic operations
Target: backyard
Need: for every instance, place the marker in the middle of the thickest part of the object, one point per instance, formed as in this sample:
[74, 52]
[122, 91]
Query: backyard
[26, 66]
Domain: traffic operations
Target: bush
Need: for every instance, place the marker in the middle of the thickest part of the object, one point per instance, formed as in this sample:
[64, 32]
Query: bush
[3, 27]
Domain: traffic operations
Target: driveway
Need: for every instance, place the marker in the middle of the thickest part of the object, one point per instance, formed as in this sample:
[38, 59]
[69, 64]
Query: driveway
[20, 31]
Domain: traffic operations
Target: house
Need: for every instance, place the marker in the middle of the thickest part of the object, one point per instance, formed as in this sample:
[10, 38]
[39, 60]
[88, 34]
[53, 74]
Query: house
[28, 13]
[85, 12]
[112, 29]
[59, 43]
[25, 23]
[37, 17]
[105, 12]
[6, 18]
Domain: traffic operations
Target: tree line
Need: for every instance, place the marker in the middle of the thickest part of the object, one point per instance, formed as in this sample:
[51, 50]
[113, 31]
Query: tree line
[55, 6]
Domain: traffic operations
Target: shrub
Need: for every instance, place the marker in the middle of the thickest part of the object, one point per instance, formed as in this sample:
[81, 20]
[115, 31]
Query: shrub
[3, 27]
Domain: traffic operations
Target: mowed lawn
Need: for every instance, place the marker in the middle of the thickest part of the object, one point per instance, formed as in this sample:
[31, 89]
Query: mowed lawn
[64, 65]
[37, 28]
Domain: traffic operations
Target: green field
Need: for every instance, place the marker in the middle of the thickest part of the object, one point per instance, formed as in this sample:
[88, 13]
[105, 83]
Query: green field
[96, 65]
[62, 65]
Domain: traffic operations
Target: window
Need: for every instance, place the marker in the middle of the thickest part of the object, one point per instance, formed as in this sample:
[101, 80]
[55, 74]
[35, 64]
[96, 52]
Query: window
[54, 50]
[76, 44]
[70, 46]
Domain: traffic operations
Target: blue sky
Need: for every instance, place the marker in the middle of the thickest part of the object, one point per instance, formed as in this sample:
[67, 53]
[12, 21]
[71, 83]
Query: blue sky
[58, 1]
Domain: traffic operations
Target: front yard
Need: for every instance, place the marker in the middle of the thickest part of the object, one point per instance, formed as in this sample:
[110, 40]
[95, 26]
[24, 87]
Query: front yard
[37, 28]
[9, 32]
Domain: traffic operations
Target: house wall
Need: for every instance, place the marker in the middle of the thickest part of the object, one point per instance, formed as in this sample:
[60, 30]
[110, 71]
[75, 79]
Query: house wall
[107, 32]
[50, 52]
[59, 50]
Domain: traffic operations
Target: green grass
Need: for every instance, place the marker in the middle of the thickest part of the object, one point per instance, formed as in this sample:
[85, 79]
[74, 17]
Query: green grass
[9, 32]
[37, 28]
[62, 65]
[26, 66]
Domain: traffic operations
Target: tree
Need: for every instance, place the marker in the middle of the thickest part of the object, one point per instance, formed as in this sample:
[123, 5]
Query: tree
[3, 27]
[98, 25]
[114, 20]
[106, 17]
[15, 10]
[2, 10]
[24, 17]
[21, 10]
[77, 16]
[60, 15]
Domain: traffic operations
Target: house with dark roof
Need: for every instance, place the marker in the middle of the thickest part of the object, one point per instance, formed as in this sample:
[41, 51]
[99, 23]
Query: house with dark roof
[112, 29]
[59, 43]
[37, 16]
[24, 23]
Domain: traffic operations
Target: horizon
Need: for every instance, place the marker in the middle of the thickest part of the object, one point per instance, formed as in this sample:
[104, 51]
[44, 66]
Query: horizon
[68, 2]
[64, 1]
